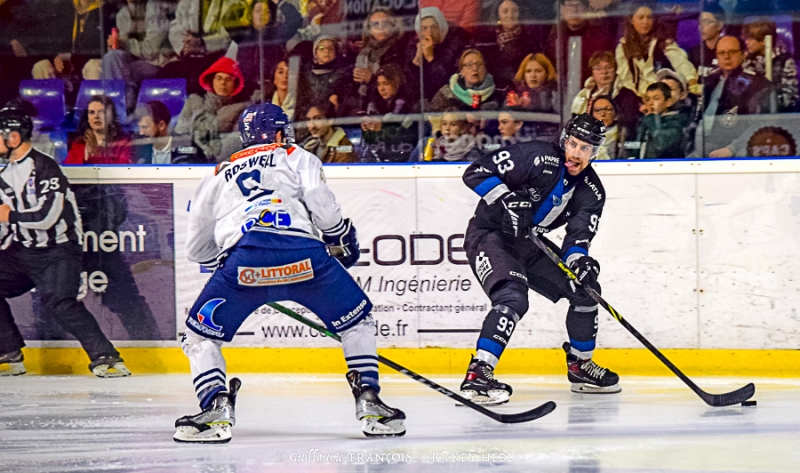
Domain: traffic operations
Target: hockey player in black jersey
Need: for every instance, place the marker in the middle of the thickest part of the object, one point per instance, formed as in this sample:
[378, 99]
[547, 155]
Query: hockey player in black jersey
[537, 186]
[40, 246]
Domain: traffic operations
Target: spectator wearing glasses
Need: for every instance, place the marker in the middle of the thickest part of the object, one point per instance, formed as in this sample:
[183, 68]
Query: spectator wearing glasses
[212, 118]
[383, 44]
[100, 137]
[728, 92]
[326, 76]
[784, 68]
[388, 133]
[597, 34]
[604, 81]
[471, 89]
[435, 52]
[646, 48]
[613, 146]
[327, 142]
[535, 86]
[710, 26]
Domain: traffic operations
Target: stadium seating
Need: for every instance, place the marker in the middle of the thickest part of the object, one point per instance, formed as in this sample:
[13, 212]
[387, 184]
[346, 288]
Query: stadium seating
[170, 92]
[48, 98]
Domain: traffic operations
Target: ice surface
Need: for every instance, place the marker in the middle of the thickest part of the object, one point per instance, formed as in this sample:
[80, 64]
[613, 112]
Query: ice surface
[305, 423]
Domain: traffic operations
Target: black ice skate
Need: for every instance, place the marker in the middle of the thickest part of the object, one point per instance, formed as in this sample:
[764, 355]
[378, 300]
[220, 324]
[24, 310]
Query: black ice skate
[14, 364]
[378, 419]
[587, 377]
[480, 386]
[109, 367]
[213, 425]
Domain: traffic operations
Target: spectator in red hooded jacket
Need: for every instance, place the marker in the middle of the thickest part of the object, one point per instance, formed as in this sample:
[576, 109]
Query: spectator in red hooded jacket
[100, 140]
[211, 120]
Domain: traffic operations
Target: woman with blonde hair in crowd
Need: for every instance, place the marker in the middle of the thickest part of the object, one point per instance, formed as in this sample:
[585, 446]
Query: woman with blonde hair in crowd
[644, 49]
[535, 86]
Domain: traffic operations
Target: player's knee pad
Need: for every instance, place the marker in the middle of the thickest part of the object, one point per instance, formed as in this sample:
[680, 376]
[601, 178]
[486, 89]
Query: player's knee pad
[193, 343]
[513, 295]
[364, 329]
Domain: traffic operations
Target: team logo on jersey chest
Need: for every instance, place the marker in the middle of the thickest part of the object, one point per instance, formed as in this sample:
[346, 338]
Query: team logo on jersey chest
[276, 275]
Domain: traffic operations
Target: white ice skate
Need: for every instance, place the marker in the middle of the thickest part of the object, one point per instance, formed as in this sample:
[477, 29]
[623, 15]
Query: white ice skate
[213, 425]
[11, 364]
[378, 419]
[109, 367]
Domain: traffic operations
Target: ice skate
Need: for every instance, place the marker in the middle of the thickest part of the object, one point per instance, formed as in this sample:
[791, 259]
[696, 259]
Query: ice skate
[11, 364]
[588, 377]
[379, 420]
[480, 386]
[109, 367]
[213, 425]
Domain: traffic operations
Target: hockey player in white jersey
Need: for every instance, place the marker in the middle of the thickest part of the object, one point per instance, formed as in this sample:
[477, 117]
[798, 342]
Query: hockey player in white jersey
[256, 220]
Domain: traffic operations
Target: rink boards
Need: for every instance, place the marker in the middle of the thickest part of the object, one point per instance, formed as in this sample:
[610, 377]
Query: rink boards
[700, 256]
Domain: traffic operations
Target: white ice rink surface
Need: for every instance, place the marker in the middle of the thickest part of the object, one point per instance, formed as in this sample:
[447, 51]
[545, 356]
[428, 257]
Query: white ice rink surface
[306, 423]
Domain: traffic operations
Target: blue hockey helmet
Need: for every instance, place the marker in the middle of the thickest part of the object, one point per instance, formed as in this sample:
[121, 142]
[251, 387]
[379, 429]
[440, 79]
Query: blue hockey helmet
[260, 124]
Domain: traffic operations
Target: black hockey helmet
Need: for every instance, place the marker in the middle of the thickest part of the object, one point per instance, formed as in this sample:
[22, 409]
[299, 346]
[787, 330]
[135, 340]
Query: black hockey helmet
[586, 128]
[14, 119]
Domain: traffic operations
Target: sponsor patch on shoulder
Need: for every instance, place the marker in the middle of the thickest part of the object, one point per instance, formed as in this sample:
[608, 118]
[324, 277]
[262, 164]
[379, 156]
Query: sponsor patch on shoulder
[276, 275]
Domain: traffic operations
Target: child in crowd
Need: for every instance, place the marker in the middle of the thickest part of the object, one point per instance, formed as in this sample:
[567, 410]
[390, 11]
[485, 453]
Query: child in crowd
[660, 131]
[453, 142]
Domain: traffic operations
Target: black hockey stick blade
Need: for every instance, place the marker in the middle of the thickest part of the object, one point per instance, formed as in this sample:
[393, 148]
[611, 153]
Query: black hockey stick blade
[526, 416]
[717, 400]
[729, 399]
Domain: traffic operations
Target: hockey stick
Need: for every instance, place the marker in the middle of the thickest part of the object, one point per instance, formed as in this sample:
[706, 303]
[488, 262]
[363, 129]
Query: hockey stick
[727, 399]
[526, 416]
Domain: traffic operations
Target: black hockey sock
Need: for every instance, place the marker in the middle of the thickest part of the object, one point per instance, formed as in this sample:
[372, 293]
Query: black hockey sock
[582, 330]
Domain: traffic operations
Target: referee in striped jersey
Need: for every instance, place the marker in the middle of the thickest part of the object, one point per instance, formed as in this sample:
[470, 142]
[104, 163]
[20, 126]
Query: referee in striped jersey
[41, 246]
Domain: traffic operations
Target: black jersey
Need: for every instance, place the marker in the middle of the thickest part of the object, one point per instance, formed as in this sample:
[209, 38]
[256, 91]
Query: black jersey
[537, 169]
[43, 208]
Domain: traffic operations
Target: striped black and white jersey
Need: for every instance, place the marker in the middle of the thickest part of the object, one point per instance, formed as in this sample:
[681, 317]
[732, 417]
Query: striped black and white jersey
[44, 212]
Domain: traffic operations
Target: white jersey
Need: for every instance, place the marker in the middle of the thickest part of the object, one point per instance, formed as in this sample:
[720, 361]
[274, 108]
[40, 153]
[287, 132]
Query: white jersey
[275, 188]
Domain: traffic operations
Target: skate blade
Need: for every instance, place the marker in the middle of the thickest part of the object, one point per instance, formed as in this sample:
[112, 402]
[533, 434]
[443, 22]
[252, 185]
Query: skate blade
[14, 369]
[495, 398]
[219, 433]
[584, 388]
[373, 428]
[118, 370]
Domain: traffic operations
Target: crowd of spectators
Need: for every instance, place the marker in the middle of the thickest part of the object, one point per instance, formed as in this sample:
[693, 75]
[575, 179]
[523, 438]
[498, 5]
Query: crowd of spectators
[452, 81]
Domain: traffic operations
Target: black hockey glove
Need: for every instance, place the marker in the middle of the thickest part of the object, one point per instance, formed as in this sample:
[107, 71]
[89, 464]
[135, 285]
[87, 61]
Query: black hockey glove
[518, 215]
[586, 269]
[343, 245]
